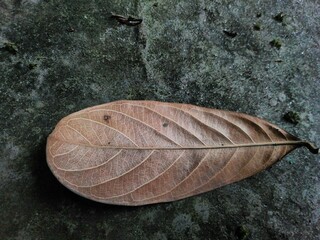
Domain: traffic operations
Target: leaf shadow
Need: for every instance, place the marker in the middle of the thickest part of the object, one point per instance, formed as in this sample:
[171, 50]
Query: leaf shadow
[50, 192]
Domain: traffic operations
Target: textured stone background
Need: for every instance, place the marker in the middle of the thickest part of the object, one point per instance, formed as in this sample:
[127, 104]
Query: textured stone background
[57, 57]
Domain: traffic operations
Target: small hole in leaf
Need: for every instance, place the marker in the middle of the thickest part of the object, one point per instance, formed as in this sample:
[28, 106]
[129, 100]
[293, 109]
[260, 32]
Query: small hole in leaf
[106, 118]
[165, 124]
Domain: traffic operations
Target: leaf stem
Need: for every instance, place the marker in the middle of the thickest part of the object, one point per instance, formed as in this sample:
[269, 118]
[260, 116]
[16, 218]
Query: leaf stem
[312, 148]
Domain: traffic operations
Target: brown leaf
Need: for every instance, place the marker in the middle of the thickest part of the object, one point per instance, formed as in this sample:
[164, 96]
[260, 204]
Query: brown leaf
[144, 152]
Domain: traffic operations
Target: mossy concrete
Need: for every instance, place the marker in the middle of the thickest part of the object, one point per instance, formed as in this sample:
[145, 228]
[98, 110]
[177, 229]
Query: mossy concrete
[57, 57]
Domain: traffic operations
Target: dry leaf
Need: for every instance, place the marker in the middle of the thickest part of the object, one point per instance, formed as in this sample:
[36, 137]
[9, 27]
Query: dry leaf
[144, 152]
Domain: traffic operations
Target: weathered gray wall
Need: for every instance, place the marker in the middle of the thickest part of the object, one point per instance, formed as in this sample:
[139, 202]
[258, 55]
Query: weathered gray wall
[60, 56]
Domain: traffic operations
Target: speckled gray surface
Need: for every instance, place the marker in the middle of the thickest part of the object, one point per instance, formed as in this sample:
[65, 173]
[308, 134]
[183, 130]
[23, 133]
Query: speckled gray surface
[57, 57]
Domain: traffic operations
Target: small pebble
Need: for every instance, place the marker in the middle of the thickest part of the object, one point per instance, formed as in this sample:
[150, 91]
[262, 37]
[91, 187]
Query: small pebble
[273, 102]
[282, 97]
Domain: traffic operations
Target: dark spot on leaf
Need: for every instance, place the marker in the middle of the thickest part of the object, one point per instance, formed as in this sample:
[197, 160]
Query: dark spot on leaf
[259, 14]
[106, 118]
[165, 124]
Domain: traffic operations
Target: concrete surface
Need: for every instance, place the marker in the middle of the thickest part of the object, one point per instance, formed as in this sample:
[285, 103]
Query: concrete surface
[257, 57]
